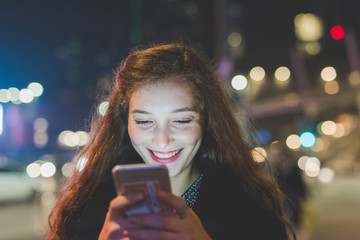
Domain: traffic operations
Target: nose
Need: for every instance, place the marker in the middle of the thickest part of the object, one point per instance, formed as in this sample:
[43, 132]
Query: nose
[162, 137]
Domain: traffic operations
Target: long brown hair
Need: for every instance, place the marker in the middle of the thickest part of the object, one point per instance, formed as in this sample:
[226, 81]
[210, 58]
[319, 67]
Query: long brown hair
[223, 141]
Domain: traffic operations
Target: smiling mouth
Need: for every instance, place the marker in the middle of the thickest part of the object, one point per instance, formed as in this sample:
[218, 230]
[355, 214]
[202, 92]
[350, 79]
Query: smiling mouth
[165, 157]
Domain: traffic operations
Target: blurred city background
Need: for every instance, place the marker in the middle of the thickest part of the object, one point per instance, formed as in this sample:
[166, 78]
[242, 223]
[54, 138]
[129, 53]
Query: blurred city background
[294, 68]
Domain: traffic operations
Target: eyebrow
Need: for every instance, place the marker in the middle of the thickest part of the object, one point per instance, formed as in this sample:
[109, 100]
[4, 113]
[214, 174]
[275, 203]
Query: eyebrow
[185, 109]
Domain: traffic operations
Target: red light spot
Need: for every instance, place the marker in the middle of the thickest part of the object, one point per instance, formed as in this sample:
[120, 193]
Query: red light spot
[337, 32]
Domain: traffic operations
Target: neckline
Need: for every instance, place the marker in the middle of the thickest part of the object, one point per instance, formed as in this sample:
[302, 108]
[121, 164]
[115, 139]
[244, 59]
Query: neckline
[192, 193]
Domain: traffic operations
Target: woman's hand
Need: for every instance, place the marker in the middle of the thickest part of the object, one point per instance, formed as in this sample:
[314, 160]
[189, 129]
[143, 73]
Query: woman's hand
[183, 224]
[116, 223]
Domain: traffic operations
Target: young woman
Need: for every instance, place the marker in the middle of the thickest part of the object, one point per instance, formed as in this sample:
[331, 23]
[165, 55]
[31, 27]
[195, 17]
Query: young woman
[167, 106]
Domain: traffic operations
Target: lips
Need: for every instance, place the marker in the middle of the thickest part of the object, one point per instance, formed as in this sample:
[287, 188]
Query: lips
[165, 157]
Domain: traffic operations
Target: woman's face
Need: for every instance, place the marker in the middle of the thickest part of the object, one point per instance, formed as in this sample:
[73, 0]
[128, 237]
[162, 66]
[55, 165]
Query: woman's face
[165, 125]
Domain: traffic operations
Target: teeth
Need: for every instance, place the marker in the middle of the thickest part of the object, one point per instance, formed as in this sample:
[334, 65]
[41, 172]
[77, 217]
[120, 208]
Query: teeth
[166, 155]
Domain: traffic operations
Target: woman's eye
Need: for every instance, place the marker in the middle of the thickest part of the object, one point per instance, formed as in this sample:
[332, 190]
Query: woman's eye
[183, 121]
[142, 122]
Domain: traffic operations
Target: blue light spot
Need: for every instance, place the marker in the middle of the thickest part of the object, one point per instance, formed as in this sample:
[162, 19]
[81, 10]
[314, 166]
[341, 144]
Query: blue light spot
[307, 139]
[263, 136]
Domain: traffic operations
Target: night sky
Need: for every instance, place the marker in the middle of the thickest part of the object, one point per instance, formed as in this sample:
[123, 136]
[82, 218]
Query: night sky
[68, 46]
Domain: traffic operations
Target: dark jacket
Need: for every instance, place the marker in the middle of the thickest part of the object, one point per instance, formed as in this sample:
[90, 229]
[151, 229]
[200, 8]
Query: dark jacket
[225, 210]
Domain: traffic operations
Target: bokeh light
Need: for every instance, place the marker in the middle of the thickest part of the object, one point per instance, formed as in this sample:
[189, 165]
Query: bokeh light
[340, 130]
[332, 87]
[14, 95]
[259, 154]
[257, 73]
[308, 27]
[328, 74]
[312, 48]
[302, 162]
[5, 96]
[326, 175]
[263, 136]
[40, 139]
[337, 32]
[354, 78]
[328, 127]
[102, 108]
[67, 169]
[33, 170]
[41, 125]
[234, 39]
[239, 82]
[307, 139]
[282, 74]
[83, 138]
[47, 169]
[312, 167]
[36, 88]
[293, 141]
[318, 146]
[26, 95]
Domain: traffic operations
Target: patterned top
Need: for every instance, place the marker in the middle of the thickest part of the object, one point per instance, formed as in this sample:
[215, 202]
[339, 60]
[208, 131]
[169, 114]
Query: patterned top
[192, 194]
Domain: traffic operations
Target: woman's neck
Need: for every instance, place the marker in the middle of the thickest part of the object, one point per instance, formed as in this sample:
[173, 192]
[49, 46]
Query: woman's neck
[181, 182]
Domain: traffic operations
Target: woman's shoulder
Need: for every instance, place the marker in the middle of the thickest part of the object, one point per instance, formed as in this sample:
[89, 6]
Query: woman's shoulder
[226, 208]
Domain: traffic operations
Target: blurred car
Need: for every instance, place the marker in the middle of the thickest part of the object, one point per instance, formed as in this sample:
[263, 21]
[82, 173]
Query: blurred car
[15, 184]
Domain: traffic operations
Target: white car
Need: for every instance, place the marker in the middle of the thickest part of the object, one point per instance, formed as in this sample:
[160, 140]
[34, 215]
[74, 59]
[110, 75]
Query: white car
[15, 184]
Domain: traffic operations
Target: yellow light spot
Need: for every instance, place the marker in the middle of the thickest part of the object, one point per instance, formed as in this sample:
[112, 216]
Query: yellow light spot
[257, 73]
[354, 78]
[282, 74]
[83, 138]
[318, 146]
[302, 162]
[328, 74]
[312, 167]
[259, 154]
[67, 169]
[293, 141]
[328, 127]
[40, 139]
[340, 130]
[332, 87]
[234, 39]
[312, 48]
[308, 27]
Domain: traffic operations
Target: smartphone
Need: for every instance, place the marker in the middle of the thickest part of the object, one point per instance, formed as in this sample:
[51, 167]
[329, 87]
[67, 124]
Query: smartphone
[144, 178]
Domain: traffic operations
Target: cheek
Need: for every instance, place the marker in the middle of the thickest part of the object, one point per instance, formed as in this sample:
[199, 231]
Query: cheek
[192, 136]
[136, 136]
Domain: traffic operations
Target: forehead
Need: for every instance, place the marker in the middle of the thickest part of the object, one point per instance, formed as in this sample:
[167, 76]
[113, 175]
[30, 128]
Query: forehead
[168, 93]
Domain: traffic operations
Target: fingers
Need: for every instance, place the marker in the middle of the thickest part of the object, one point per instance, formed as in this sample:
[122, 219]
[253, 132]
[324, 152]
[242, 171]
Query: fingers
[120, 203]
[156, 221]
[150, 234]
[173, 202]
